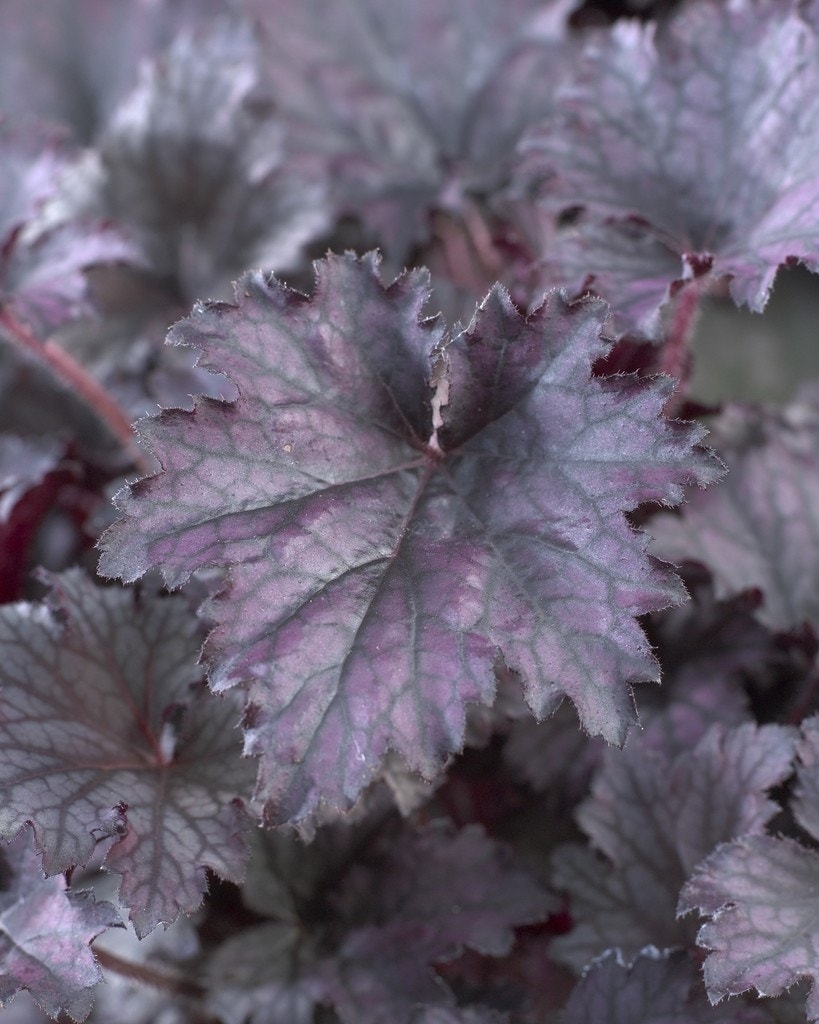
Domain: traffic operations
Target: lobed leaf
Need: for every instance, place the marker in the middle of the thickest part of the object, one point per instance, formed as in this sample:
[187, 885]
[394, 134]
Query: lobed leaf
[106, 732]
[690, 148]
[367, 942]
[42, 265]
[411, 108]
[656, 988]
[436, 894]
[654, 818]
[762, 895]
[387, 543]
[193, 164]
[45, 931]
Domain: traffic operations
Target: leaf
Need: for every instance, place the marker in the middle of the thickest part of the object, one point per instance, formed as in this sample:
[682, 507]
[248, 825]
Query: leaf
[436, 894]
[42, 265]
[193, 164]
[411, 107]
[654, 819]
[706, 648]
[367, 941]
[762, 895]
[45, 931]
[378, 562]
[72, 61]
[657, 988]
[760, 528]
[265, 975]
[108, 732]
[691, 149]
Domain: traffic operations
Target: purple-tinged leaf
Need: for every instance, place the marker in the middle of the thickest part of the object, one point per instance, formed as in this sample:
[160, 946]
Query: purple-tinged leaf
[435, 894]
[691, 149]
[45, 931]
[706, 648]
[365, 936]
[760, 527]
[45, 277]
[412, 107]
[653, 819]
[72, 61]
[193, 165]
[42, 266]
[761, 893]
[106, 730]
[554, 755]
[657, 988]
[386, 542]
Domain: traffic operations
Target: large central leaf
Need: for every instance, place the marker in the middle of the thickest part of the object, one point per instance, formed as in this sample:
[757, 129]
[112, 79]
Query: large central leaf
[387, 540]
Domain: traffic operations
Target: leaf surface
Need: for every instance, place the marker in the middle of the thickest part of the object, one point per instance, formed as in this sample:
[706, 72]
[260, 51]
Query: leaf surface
[419, 898]
[691, 148]
[108, 732]
[45, 931]
[72, 61]
[42, 266]
[657, 988]
[436, 894]
[654, 819]
[760, 527]
[762, 894]
[193, 164]
[408, 108]
[386, 542]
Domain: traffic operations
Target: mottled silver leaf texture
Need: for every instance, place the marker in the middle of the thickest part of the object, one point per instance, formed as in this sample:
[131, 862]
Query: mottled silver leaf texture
[400, 506]
[109, 733]
[685, 147]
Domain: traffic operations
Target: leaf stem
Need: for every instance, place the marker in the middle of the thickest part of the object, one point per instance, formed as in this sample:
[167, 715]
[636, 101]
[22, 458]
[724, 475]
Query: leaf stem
[82, 383]
[675, 359]
[163, 980]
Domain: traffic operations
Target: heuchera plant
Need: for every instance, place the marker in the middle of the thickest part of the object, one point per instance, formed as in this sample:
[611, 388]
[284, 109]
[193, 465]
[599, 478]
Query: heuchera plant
[357, 491]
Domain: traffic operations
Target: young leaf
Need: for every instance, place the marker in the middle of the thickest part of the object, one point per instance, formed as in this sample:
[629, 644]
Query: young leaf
[385, 542]
[655, 818]
[760, 528]
[45, 931]
[690, 147]
[107, 731]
